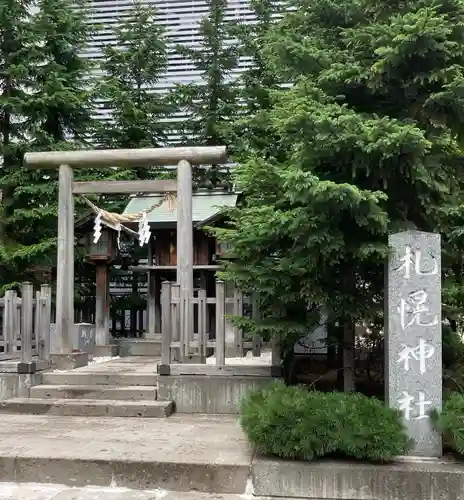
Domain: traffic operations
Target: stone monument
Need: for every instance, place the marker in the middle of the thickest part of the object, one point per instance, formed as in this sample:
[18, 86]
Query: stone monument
[82, 336]
[413, 343]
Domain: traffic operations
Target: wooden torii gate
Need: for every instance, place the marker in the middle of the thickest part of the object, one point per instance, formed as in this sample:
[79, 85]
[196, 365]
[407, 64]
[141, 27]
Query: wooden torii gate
[65, 161]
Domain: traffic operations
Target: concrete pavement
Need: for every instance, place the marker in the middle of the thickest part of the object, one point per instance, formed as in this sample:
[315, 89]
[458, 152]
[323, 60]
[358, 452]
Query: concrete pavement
[9, 491]
[183, 453]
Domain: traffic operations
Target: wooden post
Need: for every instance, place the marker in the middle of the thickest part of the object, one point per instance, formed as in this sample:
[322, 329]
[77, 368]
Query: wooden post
[275, 353]
[16, 323]
[166, 323]
[220, 324]
[43, 331]
[27, 314]
[202, 335]
[184, 317]
[36, 327]
[238, 333]
[133, 310]
[175, 320]
[157, 284]
[255, 315]
[151, 294]
[140, 321]
[16, 314]
[9, 314]
[101, 304]
[185, 250]
[65, 262]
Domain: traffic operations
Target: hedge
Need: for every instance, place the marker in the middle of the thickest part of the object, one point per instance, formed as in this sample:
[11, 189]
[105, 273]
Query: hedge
[450, 421]
[294, 423]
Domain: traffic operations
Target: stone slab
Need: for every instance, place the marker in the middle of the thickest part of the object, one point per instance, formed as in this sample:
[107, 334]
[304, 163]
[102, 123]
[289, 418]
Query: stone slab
[106, 351]
[413, 340]
[88, 407]
[69, 361]
[11, 366]
[182, 453]
[139, 347]
[76, 377]
[207, 394]
[326, 480]
[31, 491]
[146, 365]
[126, 393]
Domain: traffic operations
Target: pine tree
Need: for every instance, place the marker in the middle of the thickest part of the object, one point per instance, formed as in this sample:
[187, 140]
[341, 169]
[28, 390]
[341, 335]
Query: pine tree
[55, 115]
[369, 142]
[16, 40]
[61, 105]
[258, 81]
[132, 69]
[210, 105]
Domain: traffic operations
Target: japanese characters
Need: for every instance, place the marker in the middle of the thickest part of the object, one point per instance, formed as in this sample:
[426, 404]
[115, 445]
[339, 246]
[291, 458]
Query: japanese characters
[413, 334]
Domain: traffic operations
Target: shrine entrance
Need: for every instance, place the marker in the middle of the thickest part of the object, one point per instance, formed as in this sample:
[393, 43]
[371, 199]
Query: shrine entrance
[182, 157]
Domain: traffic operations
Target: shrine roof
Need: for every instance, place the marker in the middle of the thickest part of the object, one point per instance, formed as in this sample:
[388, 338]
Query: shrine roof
[205, 205]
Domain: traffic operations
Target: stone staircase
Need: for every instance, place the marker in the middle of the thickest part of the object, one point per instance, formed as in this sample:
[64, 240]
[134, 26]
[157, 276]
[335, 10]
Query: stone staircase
[75, 393]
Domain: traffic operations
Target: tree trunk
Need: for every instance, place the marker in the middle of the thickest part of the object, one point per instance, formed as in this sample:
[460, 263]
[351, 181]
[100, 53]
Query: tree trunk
[349, 333]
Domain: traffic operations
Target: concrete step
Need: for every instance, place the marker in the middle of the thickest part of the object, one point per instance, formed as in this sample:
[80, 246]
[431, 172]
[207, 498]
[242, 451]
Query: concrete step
[87, 407]
[125, 393]
[82, 378]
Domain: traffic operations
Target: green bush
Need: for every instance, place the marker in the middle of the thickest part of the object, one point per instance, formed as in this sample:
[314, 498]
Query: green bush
[292, 422]
[451, 421]
[453, 361]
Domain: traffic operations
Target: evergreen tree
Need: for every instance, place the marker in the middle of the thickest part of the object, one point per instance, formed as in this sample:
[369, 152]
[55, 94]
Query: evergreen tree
[55, 114]
[132, 70]
[210, 105]
[369, 142]
[258, 81]
[61, 105]
[16, 40]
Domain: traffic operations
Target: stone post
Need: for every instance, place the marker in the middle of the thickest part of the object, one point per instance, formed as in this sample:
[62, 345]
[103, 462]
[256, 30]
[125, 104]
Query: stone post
[413, 343]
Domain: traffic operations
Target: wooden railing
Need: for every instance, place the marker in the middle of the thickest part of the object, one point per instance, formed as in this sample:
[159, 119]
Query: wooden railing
[25, 326]
[188, 337]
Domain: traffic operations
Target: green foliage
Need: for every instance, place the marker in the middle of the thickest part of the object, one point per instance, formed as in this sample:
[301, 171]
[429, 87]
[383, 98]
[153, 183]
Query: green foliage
[292, 422]
[60, 103]
[17, 44]
[366, 142]
[453, 360]
[132, 68]
[46, 105]
[210, 105]
[256, 83]
[453, 261]
[451, 421]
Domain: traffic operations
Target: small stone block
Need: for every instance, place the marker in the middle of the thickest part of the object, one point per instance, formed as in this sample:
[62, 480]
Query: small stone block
[69, 361]
[84, 337]
[164, 370]
[276, 371]
[27, 368]
[105, 351]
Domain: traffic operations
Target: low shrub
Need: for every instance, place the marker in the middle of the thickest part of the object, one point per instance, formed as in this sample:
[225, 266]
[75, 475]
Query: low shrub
[292, 422]
[450, 421]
